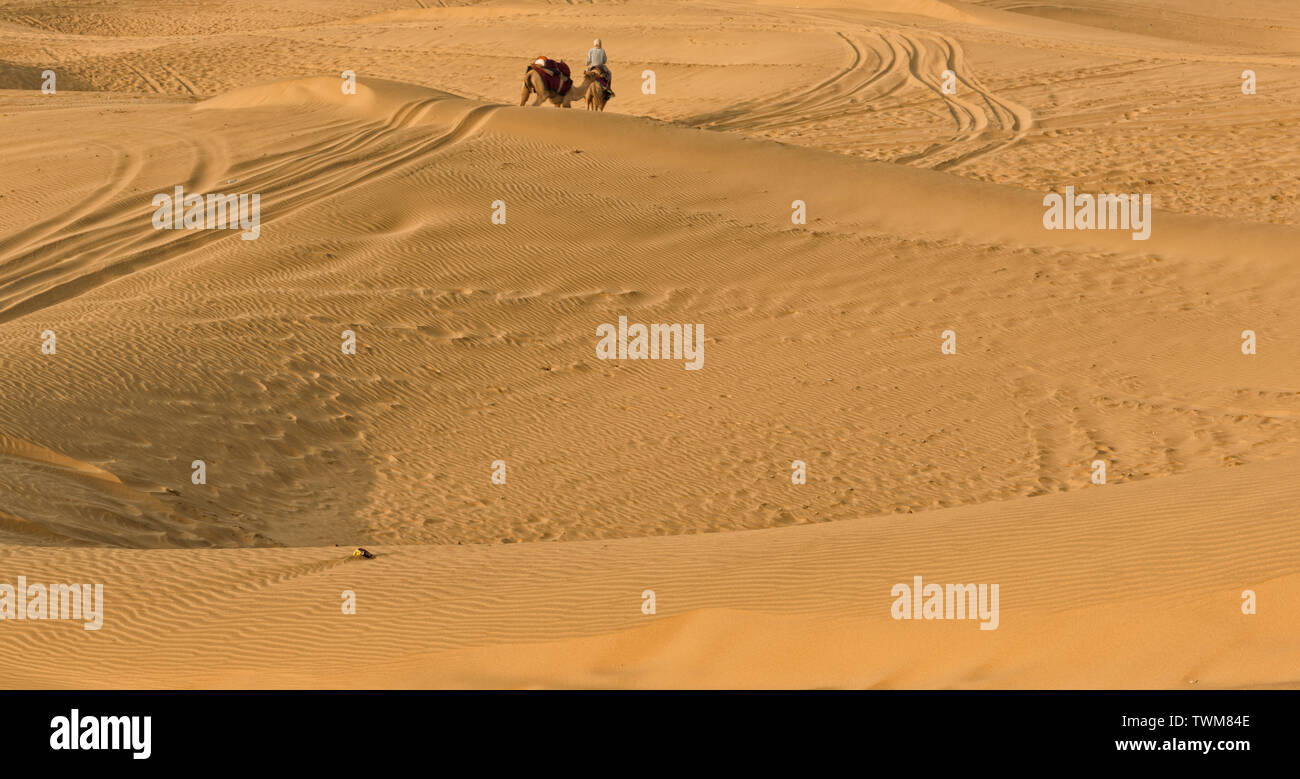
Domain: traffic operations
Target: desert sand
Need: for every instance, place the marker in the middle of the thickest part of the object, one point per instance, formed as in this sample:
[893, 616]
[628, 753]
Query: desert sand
[476, 343]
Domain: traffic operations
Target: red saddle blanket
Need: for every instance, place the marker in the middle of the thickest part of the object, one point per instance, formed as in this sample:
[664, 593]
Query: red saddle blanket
[554, 74]
[600, 77]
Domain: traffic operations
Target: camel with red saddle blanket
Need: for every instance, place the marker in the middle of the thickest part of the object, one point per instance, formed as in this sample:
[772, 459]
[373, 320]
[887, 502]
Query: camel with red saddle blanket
[598, 88]
[551, 82]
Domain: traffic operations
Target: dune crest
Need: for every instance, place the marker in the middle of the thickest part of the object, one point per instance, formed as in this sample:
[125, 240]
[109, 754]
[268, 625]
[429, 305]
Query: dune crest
[373, 98]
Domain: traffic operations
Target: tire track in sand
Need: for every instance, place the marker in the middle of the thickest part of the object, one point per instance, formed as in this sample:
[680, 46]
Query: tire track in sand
[888, 63]
[120, 241]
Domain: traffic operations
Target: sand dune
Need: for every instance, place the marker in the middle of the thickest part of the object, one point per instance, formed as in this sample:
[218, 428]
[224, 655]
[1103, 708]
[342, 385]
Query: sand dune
[1105, 604]
[476, 342]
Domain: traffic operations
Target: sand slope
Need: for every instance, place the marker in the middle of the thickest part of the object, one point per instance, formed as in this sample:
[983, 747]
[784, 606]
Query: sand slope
[1147, 593]
[476, 343]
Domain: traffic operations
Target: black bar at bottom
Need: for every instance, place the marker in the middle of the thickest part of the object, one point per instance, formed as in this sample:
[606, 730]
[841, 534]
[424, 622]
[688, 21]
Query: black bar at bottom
[334, 728]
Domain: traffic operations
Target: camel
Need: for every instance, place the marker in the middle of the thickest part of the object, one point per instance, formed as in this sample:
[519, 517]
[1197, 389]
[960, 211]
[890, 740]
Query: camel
[534, 84]
[596, 94]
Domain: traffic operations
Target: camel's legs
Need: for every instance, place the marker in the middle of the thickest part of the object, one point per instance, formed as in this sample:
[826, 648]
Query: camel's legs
[523, 98]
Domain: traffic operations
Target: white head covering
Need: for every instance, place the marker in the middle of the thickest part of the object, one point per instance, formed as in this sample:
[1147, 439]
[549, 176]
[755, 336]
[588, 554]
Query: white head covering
[596, 43]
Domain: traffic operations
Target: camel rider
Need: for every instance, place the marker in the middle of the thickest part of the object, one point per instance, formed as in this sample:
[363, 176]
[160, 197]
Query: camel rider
[596, 59]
